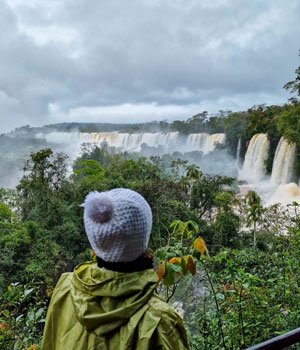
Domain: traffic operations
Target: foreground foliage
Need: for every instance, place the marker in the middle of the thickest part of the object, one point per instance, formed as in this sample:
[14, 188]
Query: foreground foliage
[231, 264]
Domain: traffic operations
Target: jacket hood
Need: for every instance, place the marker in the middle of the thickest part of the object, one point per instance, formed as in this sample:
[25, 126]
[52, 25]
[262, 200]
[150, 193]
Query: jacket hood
[104, 300]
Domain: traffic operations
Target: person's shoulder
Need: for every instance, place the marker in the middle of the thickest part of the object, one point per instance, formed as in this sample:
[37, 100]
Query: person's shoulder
[63, 285]
[161, 308]
[65, 277]
[170, 331]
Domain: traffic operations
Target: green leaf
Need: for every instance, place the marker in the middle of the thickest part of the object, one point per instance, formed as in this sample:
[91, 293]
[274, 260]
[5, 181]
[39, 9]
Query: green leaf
[19, 318]
[194, 225]
[6, 313]
[27, 292]
[176, 268]
[161, 253]
[170, 275]
[184, 266]
[220, 296]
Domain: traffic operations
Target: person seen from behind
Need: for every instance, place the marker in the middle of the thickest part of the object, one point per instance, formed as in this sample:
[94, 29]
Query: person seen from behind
[111, 304]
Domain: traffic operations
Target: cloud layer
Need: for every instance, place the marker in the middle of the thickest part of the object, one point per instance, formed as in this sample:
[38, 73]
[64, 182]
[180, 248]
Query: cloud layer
[89, 60]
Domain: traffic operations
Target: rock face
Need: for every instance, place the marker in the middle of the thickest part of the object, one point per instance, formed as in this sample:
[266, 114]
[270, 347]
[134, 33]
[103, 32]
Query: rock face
[192, 294]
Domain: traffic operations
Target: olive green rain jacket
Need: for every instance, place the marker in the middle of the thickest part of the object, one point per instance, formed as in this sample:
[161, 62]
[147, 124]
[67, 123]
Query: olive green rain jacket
[97, 309]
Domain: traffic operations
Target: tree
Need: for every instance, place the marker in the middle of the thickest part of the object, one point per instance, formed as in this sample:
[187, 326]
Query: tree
[48, 197]
[40, 187]
[204, 193]
[226, 227]
[193, 172]
[293, 86]
[288, 123]
[254, 213]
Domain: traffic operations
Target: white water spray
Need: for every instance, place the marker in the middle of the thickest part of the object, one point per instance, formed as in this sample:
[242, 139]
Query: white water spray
[283, 164]
[132, 142]
[238, 153]
[257, 153]
[204, 142]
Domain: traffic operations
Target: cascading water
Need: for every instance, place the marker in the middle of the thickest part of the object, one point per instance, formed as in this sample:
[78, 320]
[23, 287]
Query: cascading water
[238, 153]
[285, 194]
[256, 155]
[169, 142]
[63, 137]
[253, 169]
[133, 142]
[283, 164]
[278, 189]
[204, 142]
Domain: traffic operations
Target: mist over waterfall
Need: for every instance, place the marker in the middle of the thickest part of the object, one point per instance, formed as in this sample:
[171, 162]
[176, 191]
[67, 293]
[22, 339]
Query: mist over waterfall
[276, 188]
[283, 164]
[133, 142]
[257, 153]
[238, 153]
[210, 152]
[204, 142]
[167, 142]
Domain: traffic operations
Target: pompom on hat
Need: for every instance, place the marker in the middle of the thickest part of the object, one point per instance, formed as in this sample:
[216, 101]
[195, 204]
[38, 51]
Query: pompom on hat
[118, 224]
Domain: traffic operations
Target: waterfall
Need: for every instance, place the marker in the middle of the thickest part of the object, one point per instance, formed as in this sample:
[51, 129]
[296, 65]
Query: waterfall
[168, 142]
[285, 194]
[238, 153]
[256, 155]
[204, 142]
[283, 164]
[122, 141]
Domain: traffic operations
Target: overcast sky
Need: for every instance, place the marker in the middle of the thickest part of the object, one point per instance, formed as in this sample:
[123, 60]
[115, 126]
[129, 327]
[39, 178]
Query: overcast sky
[141, 60]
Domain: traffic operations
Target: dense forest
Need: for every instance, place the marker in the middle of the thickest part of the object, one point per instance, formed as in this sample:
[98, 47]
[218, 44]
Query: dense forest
[229, 264]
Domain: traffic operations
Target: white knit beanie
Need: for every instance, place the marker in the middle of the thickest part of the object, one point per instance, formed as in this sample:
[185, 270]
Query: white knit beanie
[118, 224]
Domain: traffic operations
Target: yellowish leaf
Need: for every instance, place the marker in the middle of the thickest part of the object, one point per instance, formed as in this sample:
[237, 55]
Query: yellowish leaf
[200, 246]
[176, 260]
[93, 255]
[191, 264]
[32, 347]
[160, 271]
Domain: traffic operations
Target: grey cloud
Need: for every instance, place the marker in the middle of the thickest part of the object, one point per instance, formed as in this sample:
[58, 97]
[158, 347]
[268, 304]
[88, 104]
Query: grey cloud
[165, 52]
[143, 49]
[30, 75]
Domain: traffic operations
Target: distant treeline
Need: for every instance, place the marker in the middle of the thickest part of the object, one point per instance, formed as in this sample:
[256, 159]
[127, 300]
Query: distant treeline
[274, 120]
